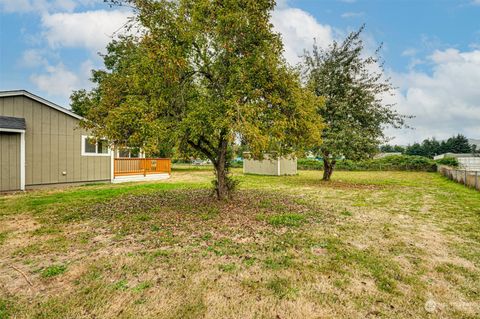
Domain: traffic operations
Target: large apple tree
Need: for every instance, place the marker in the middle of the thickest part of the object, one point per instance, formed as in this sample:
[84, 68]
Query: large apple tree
[201, 75]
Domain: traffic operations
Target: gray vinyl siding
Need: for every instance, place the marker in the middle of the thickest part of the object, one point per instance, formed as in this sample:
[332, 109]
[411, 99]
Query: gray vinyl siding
[53, 145]
[9, 161]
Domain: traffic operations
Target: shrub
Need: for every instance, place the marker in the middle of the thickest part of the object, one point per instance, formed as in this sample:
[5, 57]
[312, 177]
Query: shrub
[236, 164]
[448, 161]
[391, 163]
[181, 161]
[401, 163]
[309, 164]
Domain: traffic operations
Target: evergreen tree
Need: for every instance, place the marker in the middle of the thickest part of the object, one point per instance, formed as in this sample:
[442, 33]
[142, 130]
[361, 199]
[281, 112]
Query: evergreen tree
[415, 149]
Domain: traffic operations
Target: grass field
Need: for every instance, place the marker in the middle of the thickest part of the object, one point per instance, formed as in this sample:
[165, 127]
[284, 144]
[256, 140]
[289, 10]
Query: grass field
[366, 245]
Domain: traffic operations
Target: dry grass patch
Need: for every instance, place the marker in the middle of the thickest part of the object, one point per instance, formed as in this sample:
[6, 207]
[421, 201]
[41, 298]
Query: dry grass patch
[370, 245]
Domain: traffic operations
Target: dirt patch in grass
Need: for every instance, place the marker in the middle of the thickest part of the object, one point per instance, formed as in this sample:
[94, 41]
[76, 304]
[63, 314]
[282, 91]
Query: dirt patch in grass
[19, 224]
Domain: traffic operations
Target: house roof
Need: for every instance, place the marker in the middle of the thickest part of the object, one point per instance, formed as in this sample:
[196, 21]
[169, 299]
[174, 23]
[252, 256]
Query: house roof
[40, 100]
[12, 123]
[456, 155]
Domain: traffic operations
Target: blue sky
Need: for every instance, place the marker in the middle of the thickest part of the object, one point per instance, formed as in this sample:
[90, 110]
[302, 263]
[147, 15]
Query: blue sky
[407, 26]
[431, 49]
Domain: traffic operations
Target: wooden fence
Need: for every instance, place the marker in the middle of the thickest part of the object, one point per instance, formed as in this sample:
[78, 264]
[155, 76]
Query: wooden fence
[462, 176]
[141, 166]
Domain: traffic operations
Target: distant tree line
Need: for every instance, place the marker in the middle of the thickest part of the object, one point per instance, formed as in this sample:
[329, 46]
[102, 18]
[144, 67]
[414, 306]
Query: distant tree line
[387, 148]
[431, 147]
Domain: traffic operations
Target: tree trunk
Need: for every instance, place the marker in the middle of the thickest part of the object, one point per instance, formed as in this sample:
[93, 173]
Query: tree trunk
[221, 172]
[328, 167]
[221, 187]
[219, 157]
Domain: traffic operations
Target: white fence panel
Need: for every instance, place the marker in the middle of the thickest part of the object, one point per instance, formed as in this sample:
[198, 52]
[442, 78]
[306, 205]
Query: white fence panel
[470, 178]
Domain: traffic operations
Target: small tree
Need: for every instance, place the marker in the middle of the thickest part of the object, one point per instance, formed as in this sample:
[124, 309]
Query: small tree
[202, 75]
[354, 111]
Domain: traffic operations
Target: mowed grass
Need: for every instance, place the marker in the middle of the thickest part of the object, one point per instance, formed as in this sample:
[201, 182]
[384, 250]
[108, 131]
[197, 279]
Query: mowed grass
[366, 245]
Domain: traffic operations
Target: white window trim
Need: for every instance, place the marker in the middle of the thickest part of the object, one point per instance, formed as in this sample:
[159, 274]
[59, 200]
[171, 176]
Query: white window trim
[84, 137]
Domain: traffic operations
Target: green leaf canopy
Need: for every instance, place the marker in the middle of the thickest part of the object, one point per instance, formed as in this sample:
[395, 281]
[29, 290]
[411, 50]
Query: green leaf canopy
[200, 75]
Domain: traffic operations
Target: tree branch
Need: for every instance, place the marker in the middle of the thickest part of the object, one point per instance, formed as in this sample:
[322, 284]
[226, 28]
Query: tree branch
[199, 147]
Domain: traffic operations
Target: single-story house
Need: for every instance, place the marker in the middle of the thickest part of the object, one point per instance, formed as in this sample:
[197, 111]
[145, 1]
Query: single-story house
[42, 143]
[466, 161]
[270, 165]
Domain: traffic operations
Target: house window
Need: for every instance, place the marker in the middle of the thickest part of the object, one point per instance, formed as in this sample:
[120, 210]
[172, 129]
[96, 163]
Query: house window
[124, 153]
[135, 152]
[92, 147]
[129, 152]
[102, 147]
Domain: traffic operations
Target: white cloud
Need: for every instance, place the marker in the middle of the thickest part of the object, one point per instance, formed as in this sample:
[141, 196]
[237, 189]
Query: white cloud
[65, 24]
[299, 29]
[59, 81]
[91, 29]
[33, 58]
[16, 5]
[352, 14]
[475, 46]
[42, 6]
[409, 52]
[414, 63]
[62, 28]
[445, 102]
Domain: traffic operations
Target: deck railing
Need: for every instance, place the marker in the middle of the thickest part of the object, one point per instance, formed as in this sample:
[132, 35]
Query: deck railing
[141, 166]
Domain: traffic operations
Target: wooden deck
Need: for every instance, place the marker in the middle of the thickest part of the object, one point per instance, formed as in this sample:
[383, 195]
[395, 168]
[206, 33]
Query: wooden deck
[141, 166]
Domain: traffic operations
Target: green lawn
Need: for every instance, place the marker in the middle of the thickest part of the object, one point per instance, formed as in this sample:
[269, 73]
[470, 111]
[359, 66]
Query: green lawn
[367, 244]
